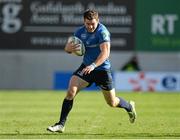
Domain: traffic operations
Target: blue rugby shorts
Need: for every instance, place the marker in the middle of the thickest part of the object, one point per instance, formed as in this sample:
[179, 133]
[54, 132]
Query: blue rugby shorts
[102, 78]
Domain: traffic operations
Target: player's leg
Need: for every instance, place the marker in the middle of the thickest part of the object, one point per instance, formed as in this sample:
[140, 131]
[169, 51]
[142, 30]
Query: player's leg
[114, 101]
[104, 80]
[110, 98]
[75, 85]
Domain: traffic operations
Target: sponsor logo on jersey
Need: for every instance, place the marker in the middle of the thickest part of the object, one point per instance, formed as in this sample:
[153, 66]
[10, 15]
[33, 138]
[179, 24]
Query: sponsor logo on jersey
[105, 36]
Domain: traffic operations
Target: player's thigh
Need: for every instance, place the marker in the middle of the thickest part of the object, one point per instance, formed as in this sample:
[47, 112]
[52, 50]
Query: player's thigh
[103, 79]
[75, 84]
[110, 97]
[78, 82]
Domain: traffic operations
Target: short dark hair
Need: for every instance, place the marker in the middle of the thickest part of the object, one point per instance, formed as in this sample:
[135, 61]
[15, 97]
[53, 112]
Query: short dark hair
[91, 14]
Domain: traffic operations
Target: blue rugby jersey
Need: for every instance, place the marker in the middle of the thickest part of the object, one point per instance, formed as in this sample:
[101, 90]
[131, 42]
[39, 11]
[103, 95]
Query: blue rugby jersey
[92, 43]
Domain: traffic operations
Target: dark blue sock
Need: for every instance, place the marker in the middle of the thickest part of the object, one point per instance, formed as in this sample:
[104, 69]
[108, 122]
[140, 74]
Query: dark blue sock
[124, 104]
[66, 108]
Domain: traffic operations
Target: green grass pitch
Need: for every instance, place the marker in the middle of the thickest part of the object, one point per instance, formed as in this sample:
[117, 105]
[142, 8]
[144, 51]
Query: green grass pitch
[27, 114]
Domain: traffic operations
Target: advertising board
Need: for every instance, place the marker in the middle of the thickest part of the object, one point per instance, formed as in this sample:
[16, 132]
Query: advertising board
[37, 24]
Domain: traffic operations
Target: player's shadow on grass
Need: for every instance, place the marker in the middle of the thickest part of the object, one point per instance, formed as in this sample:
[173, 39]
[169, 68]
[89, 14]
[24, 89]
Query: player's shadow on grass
[91, 135]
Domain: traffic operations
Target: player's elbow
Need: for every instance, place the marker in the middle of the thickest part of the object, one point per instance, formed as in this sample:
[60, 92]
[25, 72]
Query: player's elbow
[107, 56]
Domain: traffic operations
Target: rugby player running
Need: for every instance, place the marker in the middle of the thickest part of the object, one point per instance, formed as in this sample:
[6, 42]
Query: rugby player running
[95, 68]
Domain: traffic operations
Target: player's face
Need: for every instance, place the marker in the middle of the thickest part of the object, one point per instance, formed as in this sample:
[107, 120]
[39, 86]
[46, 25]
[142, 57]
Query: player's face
[91, 25]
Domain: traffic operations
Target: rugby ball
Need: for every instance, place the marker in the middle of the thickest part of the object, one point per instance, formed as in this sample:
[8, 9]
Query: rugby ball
[76, 40]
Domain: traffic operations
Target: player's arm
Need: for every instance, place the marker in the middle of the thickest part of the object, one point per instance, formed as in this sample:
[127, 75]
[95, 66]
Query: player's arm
[105, 51]
[104, 54]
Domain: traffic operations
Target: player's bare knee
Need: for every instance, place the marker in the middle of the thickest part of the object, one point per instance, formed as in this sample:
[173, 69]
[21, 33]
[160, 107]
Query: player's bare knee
[70, 94]
[111, 104]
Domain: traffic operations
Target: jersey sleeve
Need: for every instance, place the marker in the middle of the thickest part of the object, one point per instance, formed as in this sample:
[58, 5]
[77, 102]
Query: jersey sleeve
[104, 36]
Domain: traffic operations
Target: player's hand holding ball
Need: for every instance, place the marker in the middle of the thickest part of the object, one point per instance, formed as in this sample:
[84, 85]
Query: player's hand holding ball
[75, 45]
